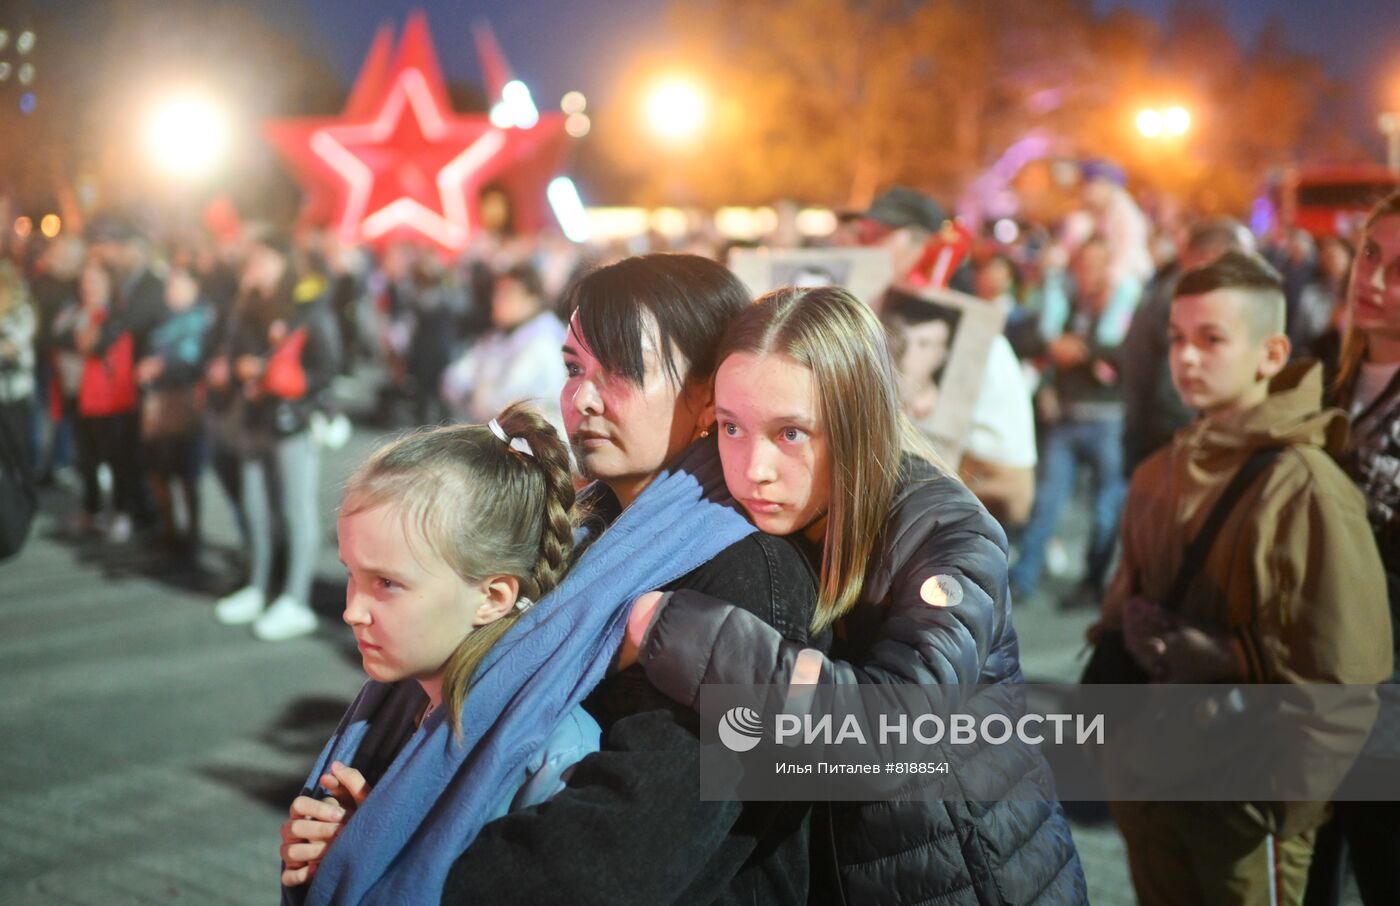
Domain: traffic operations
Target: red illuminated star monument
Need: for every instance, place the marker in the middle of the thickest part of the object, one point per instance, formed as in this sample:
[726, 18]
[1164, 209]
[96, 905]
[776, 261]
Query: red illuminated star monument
[398, 163]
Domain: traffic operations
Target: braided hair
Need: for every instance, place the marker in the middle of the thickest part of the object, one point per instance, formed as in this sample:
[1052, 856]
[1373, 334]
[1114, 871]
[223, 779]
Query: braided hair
[483, 507]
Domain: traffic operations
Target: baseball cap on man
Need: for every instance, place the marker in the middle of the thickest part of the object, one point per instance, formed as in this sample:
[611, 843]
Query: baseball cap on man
[901, 206]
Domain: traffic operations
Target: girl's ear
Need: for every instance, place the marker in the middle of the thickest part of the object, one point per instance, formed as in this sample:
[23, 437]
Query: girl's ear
[498, 596]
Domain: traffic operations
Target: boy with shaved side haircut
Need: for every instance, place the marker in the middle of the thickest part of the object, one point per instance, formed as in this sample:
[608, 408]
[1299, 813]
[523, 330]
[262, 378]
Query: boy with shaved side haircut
[1290, 591]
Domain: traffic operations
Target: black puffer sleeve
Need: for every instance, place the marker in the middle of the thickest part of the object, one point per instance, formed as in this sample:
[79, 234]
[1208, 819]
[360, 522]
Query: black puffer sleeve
[940, 596]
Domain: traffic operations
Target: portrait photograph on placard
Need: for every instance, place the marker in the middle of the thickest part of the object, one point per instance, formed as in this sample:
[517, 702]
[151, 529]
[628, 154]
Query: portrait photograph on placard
[940, 340]
[863, 271]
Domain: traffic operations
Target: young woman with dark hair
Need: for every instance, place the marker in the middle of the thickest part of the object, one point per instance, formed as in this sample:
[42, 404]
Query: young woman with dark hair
[630, 826]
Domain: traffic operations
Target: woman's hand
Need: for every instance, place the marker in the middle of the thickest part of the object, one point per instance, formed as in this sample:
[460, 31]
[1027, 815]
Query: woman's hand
[638, 622]
[314, 824]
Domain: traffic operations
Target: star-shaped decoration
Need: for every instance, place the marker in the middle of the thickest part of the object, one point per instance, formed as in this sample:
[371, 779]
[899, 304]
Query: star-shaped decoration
[400, 163]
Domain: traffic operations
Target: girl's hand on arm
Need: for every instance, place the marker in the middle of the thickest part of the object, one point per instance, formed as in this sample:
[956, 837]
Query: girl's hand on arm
[643, 612]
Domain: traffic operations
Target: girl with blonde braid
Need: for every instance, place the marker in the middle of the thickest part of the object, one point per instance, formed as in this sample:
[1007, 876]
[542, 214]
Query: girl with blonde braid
[448, 536]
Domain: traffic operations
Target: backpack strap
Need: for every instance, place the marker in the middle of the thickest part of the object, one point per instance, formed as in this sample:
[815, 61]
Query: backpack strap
[1195, 555]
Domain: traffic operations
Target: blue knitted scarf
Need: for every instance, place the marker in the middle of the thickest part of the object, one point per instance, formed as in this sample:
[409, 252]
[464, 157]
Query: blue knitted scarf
[433, 800]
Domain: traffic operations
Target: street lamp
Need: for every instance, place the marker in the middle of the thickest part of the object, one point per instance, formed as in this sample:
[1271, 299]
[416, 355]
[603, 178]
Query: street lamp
[1177, 120]
[1149, 123]
[186, 136]
[676, 109]
[1165, 122]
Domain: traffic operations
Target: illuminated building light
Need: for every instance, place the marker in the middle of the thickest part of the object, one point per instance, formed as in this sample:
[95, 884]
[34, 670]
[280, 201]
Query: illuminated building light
[670, 222]
[516, 109]
[573, 102]
[50, 225]
[568, 208]
[610, 223]
[578, 125]
[815, 222]
[23, 227]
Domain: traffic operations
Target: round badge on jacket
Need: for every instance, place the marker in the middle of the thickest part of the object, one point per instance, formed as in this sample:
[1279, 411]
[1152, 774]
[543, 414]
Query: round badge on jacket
[941, 591]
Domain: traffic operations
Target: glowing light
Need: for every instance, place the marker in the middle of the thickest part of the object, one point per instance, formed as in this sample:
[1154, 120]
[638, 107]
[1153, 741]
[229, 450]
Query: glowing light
[27, 102]
[568, 208]
[676, 109]
[816, 222]
[5, 70]
[23, 227]
[186, 136]
[745, 223]
[739, 223]
[1149, 123]
[50, 225]
[516, 107]
[1177, 120]
[4, 37]
[573, 102]
[25, 42]
[617, 223]
[578, 125]
[670, 222]
[410, 95]
[1006, 231]
[26, 73]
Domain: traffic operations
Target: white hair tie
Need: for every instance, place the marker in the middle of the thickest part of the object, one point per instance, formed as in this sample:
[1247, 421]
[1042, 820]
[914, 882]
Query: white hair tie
[519, 444]
[523, 603]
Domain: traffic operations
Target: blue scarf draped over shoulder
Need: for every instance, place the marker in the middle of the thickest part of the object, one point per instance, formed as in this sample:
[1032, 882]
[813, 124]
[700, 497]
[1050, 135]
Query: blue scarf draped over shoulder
[434, 798]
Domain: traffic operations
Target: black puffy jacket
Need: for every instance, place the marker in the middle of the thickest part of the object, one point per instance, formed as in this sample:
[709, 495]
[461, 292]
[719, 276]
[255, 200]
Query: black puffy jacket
[1010, 847]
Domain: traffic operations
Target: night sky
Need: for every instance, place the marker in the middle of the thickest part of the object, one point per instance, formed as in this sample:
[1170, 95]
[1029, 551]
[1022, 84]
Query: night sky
[558, 45]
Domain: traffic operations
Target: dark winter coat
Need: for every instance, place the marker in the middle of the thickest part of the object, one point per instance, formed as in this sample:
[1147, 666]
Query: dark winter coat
[1001, 851]
[310, 347]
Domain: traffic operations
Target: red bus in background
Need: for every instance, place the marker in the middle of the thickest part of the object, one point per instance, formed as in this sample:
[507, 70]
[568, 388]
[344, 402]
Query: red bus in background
[1329, 200]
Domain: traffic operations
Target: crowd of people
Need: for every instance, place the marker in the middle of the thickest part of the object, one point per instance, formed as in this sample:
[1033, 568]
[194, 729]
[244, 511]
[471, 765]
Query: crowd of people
[1156, 358]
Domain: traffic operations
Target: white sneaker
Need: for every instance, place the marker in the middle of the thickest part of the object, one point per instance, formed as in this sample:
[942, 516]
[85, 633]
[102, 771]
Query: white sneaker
[338, 432]
[243, 606]
[119, 532]
[287, 618]
[331, 432]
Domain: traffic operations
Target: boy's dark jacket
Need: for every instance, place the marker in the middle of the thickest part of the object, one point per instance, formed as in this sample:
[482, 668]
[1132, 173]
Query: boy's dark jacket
[1294, 574]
